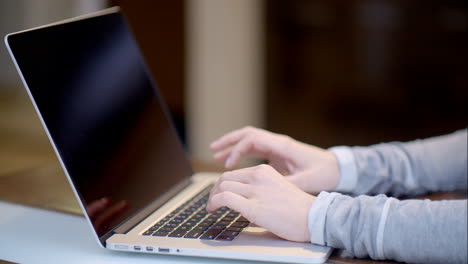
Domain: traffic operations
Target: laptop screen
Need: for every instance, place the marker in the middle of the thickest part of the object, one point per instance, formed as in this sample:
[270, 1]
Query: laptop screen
[103, 113]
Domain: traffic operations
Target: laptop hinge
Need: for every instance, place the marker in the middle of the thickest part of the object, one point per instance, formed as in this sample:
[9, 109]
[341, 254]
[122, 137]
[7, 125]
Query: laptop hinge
[104, 238]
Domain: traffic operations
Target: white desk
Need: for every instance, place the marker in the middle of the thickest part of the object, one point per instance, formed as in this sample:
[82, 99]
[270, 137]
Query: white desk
[31, 235]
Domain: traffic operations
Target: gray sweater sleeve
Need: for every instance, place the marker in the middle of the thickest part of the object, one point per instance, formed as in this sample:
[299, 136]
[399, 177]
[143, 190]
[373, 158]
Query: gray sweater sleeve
[418, 231]
[412, 168]
[413, 231]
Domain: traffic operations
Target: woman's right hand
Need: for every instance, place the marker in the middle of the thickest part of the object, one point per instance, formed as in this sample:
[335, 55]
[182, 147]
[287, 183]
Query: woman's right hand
[310, 168]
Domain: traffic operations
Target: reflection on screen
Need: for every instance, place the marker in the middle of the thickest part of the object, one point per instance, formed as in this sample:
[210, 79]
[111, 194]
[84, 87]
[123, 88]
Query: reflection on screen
[91, 87]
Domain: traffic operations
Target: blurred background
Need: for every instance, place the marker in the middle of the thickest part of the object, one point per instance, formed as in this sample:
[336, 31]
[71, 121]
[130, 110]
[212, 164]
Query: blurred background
[324, 72]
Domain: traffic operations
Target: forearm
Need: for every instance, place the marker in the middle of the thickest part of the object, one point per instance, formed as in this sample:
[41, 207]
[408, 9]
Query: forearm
[434, 164]
[386, 228]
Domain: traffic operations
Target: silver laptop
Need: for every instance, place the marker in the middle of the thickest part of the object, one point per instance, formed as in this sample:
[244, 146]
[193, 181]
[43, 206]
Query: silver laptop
[114, 139]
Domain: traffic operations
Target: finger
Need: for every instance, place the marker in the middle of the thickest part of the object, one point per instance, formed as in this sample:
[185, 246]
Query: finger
[221, 156]
[232, 201]
[230, 138]
[241, 175]
[97, 206]
[242, 148]
[248, 146]
[242, 189]
[252, 146]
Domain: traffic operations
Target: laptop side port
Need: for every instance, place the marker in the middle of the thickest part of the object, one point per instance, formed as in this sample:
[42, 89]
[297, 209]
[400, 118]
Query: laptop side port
[163, 250]
[149, 249]
[138, 248]
[121, 247]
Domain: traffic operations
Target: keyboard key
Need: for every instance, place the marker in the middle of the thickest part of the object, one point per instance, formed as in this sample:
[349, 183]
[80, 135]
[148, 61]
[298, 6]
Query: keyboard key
[217, 215]
[201, 214]
[211, 218]
[148, 233]
[206, 223]
[194, 219]
[184, 214]
[171, 225]
[224, 223]
[193, 234]
[160, 223]
[176, 221]
[240, 224]
[225, 237]
[230, 233]
[218, 227]
[178, 233]
[160, 233]
[242, 219]
[235, 229]
[185, 228]
[189, 224]
[202, 228]
[153, 228]
[210, 234]
[233, 214]
[166, 229]
[181, 217]
[228, 218]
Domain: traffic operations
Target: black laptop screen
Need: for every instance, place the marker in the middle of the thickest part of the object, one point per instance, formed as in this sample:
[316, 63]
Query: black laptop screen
[103, 112]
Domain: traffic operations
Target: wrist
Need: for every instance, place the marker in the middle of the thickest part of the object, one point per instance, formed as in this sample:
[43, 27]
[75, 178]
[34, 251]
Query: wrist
[308, 203]
[333, 172]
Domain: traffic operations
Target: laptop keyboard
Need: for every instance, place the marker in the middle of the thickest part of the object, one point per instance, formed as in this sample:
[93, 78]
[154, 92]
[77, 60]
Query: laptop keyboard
[191, 220]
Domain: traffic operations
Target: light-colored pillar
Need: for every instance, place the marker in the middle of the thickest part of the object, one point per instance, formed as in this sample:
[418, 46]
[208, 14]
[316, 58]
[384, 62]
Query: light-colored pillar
[225, 71]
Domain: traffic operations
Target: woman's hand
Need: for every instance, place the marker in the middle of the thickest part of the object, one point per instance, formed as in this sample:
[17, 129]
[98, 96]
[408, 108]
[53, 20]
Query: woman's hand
[310, 168]
[265, 198]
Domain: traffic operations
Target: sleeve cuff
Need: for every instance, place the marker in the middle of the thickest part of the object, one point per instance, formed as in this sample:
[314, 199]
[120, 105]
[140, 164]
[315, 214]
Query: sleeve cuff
[348, 169]
[317, 217]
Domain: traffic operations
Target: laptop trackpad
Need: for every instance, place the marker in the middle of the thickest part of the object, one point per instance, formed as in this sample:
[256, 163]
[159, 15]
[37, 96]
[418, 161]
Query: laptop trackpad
[258, 238]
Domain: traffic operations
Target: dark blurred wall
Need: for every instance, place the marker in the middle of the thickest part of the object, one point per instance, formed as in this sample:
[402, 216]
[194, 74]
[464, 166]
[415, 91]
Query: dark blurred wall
[159, 28]
[362, 72]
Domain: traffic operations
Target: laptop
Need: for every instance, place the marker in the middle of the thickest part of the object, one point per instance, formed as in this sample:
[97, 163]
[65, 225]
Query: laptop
[114, 138]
